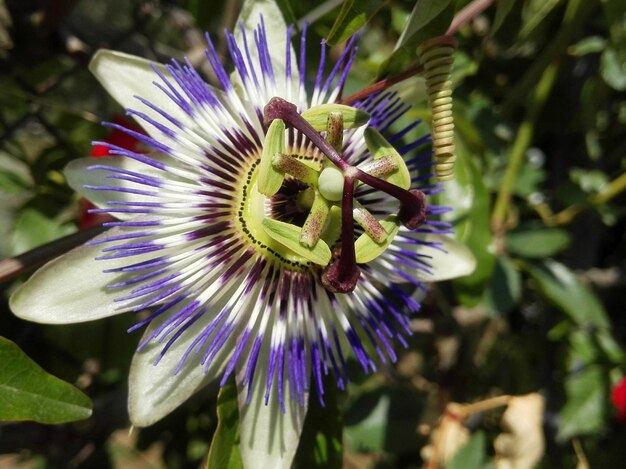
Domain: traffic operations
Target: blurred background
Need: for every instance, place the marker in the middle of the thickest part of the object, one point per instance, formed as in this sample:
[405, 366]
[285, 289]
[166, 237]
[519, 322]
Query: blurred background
[540, 105]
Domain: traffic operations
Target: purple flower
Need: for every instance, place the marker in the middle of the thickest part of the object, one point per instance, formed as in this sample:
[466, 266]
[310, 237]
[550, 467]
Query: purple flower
[272, 252]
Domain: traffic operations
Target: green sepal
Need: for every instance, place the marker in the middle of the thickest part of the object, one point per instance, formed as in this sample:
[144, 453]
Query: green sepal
[366, 249]
[289, 236]
[270, 179]
[317, 116]
[380, 147]
[224, 451]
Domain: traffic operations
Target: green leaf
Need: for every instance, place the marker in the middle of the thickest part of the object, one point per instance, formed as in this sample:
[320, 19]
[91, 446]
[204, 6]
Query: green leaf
[560, 286]
[613, 67]
[33, 229]
[203, 12]
[584, 412]
[609, 346]
[613, 11]
[354, 14]
[15, 176]
[539, 243]
[424, 13]
[317, 116]
[270, 179]
[535, 11]
[27, 392]
[321, 441]
[528, 181]
[589, 181]
[366, 249]
[471, 455]
[588, 45]
[589, 346]
[430, 18]
[505, 287]
[383, 419]
[289, 236]
[368, 429]
[287, 10]
[503, 8]
[224, 452]
[583, 348]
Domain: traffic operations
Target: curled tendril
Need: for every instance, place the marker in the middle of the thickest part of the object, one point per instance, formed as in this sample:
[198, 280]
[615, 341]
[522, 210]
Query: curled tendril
[436, 57]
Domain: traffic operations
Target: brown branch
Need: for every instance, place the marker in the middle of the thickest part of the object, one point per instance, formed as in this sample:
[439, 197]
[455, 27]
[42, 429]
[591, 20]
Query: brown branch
[32, 259]
[467, 14]
[381, 85]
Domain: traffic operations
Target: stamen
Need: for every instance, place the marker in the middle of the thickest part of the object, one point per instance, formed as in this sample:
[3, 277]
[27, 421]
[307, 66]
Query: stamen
[297, 169]
[367, 221]
[381, 167]
[334, 129]
[315, 221]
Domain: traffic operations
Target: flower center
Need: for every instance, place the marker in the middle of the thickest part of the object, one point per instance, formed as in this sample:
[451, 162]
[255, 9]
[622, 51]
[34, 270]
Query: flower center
[302, 212]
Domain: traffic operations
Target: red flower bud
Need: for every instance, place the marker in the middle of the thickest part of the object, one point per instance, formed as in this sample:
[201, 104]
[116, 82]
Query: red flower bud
[121, 139]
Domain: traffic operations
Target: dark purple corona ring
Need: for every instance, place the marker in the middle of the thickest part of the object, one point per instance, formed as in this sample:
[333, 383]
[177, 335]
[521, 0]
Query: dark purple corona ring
[211, 257]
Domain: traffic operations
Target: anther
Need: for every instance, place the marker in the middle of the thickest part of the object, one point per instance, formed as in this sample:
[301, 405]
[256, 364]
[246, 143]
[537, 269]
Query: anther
[381, 167]
[290, 165]
[334, 129]
[315, 221]
[367, 221]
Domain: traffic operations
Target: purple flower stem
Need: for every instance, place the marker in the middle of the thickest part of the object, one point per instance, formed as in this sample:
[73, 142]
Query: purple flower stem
[278, 108]
[342, 274]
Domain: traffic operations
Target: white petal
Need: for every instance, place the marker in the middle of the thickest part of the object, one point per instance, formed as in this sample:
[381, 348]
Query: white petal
[78, 176]
[155, 390]
[72, 288]
[125, 76]
[276, 29]
[268, 437]
[456, 261]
